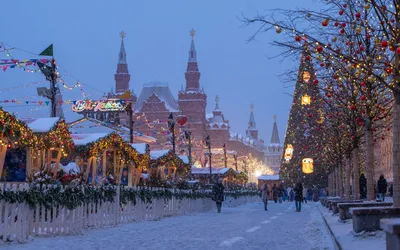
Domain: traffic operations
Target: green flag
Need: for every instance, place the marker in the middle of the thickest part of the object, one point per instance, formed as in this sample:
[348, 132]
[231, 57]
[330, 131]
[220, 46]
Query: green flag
[48, 51]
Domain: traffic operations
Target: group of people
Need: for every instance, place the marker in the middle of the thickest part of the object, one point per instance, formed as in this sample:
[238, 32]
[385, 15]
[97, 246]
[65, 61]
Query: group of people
[381, 188]
[298, 193]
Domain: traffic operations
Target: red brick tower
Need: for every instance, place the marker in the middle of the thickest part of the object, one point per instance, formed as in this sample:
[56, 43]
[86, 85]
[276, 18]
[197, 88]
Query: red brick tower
[122, 76]
[193, 101]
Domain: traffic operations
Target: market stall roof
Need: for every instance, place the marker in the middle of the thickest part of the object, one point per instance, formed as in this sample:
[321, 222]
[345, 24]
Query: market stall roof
[155, 154]
[269, 177]
[140, 147]
[184, 158]
[86, 125]
[213, 170]
[41, 125]
[83, 139]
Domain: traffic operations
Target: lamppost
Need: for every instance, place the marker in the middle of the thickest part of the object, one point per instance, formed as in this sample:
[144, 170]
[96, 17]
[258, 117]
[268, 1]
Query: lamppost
[208, 144]
[235, 158]
[225, 159]
[171, 126]
[129, 111]
[188, 136]
[50, 72]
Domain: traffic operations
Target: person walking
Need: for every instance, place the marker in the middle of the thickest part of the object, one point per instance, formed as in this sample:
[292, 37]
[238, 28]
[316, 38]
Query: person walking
[305, 194]
[281, 193]
[382, 187]
[315, 194]
[275, 193]
[363, 186]
[265, 195]
[289, 191]
[218, 194]
[298, 197]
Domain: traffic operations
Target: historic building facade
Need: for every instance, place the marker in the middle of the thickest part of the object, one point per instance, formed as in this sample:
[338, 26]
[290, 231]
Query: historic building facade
[273, 153]
[155, 103]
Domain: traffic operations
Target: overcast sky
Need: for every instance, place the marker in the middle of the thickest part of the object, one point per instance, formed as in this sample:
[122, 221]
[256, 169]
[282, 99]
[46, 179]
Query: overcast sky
[86, 45]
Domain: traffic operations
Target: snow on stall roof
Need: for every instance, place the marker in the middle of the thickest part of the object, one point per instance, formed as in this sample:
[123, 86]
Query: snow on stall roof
[83, 139]
[41, 125]
[140, 147]
[155, 154]
[269, 177]
[207, 170]
[184, 158]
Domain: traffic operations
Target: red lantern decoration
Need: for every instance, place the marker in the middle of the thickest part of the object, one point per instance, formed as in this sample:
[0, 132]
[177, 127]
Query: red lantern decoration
[181, 120]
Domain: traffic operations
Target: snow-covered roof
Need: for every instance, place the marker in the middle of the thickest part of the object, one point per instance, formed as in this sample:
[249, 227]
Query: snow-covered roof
[184, 158]
[269, 177]
[41, 125]
[155, 154]
[140, 147]
[217, 121]
[83, 139]
[162, 91]
[209, 115]
[213, 170]
[88, 125]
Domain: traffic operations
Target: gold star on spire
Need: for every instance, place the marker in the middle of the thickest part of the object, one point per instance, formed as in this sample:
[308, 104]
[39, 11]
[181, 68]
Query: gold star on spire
[122, 34]
[192, 33]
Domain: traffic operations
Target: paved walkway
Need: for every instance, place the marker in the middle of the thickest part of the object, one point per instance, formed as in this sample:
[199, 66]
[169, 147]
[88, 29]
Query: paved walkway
[244, 227]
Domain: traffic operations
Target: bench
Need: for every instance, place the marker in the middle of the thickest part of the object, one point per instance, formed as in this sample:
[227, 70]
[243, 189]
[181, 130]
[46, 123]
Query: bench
[335, 204]
[330, 202]
[392, 230]
[324, 201]
[344, 208]
[367, 219]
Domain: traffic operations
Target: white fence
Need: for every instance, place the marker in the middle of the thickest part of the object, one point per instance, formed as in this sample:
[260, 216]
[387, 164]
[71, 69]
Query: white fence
[18, 221]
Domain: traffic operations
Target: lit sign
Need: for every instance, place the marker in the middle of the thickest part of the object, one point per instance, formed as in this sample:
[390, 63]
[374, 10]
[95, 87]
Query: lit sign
[306, 76]
[308, 166]
[102, 105]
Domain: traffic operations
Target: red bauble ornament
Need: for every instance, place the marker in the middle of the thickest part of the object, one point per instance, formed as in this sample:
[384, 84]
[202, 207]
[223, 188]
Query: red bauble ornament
[325, 22]
[363, 98]
[398, 50]
[298, 38]
[320, 49]
[342, 31]
[358, 15]
[341, 12]
[384, 44]
[343, 25]
[352, 107]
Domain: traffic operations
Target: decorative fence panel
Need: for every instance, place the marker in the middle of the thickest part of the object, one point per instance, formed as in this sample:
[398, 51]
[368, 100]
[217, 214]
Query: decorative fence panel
[19, 221]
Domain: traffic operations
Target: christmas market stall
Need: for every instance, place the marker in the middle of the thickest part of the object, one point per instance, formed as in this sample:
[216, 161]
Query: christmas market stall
[203, 174]
[53, 142]
[100, 156]
[270, 180]
[142, 163]
[16, 140]
[168, 164]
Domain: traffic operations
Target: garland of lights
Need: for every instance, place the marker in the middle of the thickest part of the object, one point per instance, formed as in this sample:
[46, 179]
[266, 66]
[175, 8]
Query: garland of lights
[16, 132]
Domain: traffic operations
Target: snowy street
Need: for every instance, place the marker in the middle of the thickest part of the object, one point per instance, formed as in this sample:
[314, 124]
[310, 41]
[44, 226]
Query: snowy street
[243, 227]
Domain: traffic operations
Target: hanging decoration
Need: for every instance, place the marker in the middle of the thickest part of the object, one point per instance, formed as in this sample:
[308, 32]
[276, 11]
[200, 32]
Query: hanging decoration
[308, 166]
[288, 152]
[305, 100]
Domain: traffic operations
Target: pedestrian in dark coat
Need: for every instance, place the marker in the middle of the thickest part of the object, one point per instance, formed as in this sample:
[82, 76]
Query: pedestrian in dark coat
[382, 187]
[275, 193]
[298, 195]
[218, 194]
[363, 186]
[315, 194]
[265, 195]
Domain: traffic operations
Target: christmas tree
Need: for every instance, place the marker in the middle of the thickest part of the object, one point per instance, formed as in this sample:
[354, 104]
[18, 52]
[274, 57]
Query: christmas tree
[304, 141]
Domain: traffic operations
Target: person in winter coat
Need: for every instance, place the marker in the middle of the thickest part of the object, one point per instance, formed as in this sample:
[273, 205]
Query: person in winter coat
[289, 191]
[315, 194]
[304, 194]
[275, 193]
[265, 195]
[291, 195]
[363, 186]
[281, 193]
[382, 187]
[218, 194]
[298, 197]
[391, 190]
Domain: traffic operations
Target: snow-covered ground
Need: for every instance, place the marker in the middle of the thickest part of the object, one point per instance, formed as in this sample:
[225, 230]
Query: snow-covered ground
[343, 232]
[243, 227]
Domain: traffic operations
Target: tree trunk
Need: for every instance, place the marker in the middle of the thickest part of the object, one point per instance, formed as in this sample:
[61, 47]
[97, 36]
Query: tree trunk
[396, 150]
[347, 180]
[340, 181]
[356, 171]
[337, 182]
[369, 162]
[334, 182]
